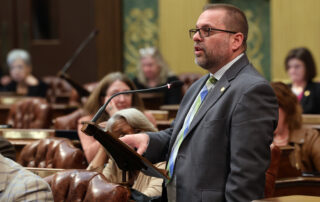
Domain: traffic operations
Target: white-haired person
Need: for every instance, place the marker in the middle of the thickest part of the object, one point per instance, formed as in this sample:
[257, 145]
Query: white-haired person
[128, 121]
[23, 82]
[153, 71]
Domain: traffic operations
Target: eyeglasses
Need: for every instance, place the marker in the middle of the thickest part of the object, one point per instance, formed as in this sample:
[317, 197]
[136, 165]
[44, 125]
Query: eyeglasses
[206, 31]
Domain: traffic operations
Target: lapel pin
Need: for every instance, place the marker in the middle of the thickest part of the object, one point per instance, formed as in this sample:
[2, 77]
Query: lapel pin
[306, 93]
[222, 89]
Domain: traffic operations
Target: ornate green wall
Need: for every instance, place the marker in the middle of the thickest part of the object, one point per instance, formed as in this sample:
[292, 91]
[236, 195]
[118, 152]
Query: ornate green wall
[258, 15]
[140, 28]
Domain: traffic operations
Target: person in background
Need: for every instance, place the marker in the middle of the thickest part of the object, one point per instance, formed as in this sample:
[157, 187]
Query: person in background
[218, 148]
[23, 82]
[301, 69]
[19, 184]
[124, 122]
[109, 85]
[306, 141]
[153, 71]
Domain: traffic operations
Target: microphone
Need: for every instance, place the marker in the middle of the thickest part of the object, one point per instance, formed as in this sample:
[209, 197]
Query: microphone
[173, 84]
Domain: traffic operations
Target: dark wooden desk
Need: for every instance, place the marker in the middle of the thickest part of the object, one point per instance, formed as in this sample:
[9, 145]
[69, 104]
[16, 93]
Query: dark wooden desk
[56, 111]
[44, 172]
[292, 198]
[298, 186]
[152, 100]
[163, 124]
[172, 109]
[285, 168]
[311, 120]
[21, 137]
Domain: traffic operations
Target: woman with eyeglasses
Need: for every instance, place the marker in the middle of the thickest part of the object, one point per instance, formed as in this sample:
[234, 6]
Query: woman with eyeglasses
[301, 69]
[153, 71]
[109, 85]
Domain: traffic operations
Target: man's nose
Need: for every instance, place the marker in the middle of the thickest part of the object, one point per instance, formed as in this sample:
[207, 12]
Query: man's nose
[197, 37]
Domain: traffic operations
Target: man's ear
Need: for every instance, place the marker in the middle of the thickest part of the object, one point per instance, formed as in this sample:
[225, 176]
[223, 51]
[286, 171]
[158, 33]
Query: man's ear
[237, 40]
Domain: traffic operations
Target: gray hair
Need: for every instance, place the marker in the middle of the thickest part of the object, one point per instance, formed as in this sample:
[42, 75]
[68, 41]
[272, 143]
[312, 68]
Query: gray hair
[135, 119]
[153, 52]
[18, 54]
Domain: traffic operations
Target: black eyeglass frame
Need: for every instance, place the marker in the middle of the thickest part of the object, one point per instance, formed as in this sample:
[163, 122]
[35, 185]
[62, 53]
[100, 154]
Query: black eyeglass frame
[192, 32]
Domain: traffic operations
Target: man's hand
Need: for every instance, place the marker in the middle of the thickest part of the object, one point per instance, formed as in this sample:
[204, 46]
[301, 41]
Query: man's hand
[139, 141]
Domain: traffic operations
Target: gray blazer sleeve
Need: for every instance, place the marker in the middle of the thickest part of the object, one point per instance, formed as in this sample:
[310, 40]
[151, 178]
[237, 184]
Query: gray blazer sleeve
[250, 137]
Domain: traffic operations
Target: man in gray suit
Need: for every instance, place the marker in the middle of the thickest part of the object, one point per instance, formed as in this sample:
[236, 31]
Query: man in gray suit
[218, 148]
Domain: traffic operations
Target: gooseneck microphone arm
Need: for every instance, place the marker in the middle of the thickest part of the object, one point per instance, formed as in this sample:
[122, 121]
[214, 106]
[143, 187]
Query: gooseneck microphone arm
[169, 86]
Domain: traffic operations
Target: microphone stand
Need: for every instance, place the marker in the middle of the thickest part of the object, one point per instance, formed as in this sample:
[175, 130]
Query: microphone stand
[103, 107]
[62, 74]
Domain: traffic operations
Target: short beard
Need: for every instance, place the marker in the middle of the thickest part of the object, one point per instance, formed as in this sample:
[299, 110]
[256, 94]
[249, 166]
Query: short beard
[207, 62]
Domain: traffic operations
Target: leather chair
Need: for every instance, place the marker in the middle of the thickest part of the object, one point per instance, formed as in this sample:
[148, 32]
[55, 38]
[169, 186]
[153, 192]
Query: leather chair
[69, 121]
[75, 99]
[52, 153]
[83, 185]
[30, 113]
[188, 79]
[58, 89]
[272, 172]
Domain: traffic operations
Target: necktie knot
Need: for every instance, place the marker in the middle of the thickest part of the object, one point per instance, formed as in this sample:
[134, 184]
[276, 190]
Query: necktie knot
[212, 80]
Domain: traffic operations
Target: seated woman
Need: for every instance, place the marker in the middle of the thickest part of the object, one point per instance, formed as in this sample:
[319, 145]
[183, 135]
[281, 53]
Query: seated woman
[306, 141]
[129, 121]
[109, 85]
[23, 82]
[301, 69]
[153, 71]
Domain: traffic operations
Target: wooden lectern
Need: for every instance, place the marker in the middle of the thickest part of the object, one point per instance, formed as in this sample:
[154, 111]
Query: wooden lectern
[126, 158]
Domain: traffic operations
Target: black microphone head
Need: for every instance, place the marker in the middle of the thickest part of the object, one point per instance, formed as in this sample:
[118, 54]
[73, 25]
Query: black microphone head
[175, 84]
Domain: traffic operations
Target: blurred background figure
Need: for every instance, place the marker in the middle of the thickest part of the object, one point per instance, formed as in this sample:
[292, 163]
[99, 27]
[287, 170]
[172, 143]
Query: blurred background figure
[128, 121]
[22, 80]
[306, 141]
[153, 71]
[109, 85]
[301, 69]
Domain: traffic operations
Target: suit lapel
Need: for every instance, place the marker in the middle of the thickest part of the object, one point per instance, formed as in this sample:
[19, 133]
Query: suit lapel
[184, 111]
[220, 88]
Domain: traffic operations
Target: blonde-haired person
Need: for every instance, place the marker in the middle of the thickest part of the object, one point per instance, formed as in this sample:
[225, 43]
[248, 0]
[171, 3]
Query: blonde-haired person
[306, 141]
[153, 71]
[109, 85]
[22, 80]
[128, 121]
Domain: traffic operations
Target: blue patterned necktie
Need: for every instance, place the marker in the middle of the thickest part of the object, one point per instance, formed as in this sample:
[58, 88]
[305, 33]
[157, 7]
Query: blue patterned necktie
[185, 128]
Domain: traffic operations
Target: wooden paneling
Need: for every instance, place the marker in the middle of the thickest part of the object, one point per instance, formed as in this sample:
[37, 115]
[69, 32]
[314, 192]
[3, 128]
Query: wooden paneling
[175, 19]
[294, 23]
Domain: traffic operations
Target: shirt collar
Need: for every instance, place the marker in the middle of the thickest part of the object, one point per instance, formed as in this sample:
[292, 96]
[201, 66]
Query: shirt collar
[222, 70]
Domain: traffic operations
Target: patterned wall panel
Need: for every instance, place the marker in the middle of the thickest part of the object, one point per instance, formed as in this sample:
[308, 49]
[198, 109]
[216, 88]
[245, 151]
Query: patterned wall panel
[140, 26]
[258, 15]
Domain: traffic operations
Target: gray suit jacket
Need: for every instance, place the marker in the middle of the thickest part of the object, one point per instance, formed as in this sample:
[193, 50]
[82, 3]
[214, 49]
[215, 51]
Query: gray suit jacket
[226, 152]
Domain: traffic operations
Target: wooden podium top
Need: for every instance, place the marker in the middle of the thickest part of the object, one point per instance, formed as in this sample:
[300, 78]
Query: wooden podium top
[293, 198]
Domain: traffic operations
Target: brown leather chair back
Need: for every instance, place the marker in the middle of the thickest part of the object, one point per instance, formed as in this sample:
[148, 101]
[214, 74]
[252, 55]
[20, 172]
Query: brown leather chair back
[57, 88]
[188, 79]
[75, 98]
[30, 113]
[82, 185]
[52, 153]
[272, 172]
[69, 121]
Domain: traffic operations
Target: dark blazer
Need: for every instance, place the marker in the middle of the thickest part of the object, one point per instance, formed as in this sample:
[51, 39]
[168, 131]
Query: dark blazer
[226, 152]
[310, 101]
[39, 90]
